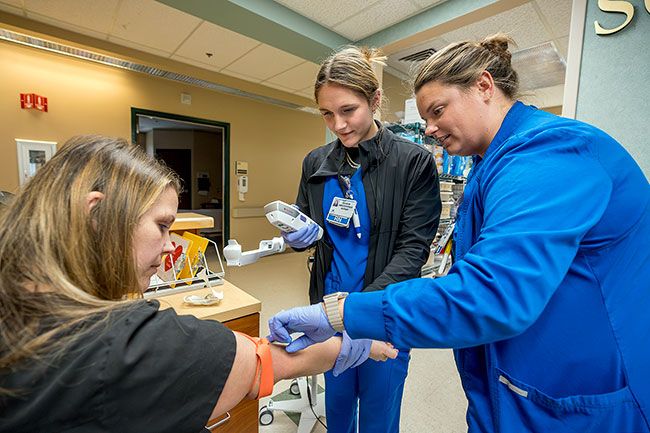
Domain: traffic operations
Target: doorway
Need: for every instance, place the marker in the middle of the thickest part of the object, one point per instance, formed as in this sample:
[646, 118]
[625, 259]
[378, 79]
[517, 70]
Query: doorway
[179, 160]
[198, 150]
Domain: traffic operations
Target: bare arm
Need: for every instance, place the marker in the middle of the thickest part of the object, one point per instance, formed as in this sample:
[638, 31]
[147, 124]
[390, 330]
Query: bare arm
[315, 359]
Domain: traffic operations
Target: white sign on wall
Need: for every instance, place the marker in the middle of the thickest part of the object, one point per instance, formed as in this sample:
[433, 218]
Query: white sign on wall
[32, 155]
[411, 114]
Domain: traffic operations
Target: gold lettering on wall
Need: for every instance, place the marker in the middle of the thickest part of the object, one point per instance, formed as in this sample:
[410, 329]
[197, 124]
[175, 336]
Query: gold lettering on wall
[616, 6]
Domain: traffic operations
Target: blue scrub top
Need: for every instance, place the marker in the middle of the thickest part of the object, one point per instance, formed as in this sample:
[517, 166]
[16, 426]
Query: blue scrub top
[350, 253]
[548, 303]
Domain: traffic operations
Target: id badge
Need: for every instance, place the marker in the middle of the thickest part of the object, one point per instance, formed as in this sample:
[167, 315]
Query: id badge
[341, 212]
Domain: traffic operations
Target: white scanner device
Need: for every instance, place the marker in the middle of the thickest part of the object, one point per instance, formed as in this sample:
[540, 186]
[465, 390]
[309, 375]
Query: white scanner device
[287, 218]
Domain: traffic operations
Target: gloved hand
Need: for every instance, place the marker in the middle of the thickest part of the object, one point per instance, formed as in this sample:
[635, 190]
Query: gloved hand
[301, 238]
[310, 320]
[352, 353]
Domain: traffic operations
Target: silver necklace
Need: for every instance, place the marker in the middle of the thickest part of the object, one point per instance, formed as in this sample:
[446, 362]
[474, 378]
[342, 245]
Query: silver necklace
[351, 162]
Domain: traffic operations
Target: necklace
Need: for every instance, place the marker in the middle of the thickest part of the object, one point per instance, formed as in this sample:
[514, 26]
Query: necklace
[351, 162]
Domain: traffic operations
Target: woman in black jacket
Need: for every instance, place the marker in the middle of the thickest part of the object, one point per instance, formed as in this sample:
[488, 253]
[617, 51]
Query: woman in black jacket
[376, 195]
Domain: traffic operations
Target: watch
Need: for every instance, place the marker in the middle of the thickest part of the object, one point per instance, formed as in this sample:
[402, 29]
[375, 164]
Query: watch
[332, 309]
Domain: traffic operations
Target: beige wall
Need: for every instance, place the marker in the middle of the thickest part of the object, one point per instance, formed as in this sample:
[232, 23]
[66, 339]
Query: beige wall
[396, 91]
[88, 98]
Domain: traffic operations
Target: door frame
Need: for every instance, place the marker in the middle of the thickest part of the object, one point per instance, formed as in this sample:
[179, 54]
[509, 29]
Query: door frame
[225, 169]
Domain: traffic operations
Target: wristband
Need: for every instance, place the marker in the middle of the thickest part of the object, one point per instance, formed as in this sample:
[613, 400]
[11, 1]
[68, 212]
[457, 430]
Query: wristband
[264, 367]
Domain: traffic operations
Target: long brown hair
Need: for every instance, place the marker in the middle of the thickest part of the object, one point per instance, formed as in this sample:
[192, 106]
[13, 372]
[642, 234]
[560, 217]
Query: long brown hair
[60, 261]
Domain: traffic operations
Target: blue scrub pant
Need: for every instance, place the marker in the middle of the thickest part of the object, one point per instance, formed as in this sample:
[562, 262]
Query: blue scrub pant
[375, 388]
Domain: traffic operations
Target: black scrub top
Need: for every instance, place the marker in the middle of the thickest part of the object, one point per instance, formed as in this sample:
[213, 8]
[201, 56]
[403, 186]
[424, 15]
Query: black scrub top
[145, 370]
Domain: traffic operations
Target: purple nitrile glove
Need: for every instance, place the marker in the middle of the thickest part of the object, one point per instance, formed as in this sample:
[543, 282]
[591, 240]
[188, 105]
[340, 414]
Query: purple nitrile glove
[352, 353]
[311, 321]
[301, 238]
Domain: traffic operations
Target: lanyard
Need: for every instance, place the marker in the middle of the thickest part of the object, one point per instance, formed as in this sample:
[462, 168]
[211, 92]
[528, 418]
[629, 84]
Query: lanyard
[348, 187]
[356, 222]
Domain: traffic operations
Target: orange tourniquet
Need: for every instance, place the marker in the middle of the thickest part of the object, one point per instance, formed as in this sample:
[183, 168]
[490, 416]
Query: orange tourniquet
[264, 364]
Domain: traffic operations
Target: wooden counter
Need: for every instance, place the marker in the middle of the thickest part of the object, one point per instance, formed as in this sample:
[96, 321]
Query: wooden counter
[240, 312]
[236, 303]
[192, 222]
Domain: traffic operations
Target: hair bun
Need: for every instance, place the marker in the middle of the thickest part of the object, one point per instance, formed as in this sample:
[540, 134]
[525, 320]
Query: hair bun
[498, 45]
[373, 55]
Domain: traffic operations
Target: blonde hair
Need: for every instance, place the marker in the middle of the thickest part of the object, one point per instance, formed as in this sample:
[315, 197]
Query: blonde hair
[59, 261]
[351, 67]
[460, 64]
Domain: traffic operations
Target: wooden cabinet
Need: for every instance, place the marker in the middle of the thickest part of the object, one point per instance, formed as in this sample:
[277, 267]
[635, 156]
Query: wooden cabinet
[243, 417]
[240, 312]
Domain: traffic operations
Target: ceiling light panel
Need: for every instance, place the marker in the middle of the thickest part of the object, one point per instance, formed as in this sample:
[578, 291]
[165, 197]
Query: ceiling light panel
[563, 46]
[225, 46]
[539, 67]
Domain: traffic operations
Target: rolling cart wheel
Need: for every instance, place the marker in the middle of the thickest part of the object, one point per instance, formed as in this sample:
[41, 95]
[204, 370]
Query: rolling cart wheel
[266, 416]
[294, 389]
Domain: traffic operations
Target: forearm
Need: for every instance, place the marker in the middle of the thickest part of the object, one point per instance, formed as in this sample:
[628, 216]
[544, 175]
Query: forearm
[315, 359]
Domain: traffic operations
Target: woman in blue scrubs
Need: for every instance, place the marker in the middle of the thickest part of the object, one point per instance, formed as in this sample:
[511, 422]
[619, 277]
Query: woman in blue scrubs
[376, 196]
[547, 305]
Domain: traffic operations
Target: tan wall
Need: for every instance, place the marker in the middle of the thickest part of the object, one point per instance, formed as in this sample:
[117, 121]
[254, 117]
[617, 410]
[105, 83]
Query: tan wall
[396, 91]
[88, 98]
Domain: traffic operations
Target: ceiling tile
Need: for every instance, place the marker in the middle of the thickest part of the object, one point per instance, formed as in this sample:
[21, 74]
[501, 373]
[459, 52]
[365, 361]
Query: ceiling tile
[15, 3]
[327, 13]
[277, 86]
[521, 23]
[307, 92]
[13, 7]
[66, 26]
[557, 14]
[196, 63]
[428, 3]
[95, 15]
[264, 61]
[225, 46]
[298, 77]
[377, 17]
[240, 76]
[153, 24]
[137, 46]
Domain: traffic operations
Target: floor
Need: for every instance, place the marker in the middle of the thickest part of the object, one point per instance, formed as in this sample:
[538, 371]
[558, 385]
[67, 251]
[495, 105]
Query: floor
[433, 399]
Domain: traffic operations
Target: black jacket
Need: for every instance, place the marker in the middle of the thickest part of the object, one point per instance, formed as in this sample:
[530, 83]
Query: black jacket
[403, 197]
